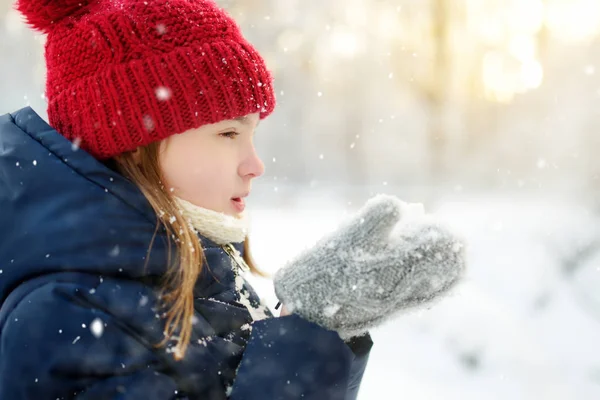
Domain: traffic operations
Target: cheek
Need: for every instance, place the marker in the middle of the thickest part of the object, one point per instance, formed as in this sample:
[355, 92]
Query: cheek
[193, 172]
[178, 165]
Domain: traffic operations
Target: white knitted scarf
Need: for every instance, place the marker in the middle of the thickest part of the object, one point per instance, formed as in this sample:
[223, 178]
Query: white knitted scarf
[216, 226]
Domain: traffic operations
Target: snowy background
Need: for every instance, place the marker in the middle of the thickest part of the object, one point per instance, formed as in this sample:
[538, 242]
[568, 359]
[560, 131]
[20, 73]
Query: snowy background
[485, 111]
[524, 324]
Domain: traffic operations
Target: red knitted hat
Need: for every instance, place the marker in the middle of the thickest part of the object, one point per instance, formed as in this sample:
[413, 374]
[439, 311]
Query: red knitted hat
[125, 73]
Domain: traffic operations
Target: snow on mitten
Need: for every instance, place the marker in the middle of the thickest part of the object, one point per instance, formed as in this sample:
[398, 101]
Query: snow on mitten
[366, 272]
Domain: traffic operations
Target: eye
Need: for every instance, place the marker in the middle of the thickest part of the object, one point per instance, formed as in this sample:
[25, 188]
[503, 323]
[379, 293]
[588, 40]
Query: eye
[230, 135]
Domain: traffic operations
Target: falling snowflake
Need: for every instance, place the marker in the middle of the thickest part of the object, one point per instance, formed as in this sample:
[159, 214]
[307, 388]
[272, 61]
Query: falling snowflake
[97, 327]
[541, 164]
[163, 93]
[161, 29]
[148, 123]
[76, 143]
[115, 251]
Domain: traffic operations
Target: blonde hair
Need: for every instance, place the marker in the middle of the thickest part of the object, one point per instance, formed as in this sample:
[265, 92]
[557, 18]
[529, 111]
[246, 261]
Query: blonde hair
[177, 290]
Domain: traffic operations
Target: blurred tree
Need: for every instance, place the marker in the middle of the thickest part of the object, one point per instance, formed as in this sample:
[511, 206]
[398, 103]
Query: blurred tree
[426, 64]
[436, 91]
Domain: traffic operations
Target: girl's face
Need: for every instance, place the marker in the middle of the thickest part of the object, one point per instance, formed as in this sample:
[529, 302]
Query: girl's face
[213, 166]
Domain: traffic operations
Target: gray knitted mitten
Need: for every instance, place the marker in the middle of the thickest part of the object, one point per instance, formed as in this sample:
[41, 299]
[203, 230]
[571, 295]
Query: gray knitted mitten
[366, 271]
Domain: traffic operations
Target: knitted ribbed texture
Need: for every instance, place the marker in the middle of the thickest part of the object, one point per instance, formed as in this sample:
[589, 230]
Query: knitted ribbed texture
[362, 275]
[216, 226]
[123, 74]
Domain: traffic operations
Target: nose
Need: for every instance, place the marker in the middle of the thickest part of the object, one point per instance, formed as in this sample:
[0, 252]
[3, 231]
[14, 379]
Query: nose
[252, 167]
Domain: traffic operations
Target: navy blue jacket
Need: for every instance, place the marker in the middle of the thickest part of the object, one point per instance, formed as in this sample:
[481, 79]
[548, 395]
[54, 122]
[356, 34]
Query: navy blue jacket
[79, 313]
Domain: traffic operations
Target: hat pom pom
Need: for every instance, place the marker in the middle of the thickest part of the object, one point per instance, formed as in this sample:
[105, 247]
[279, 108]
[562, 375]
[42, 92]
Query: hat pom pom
[44, 14]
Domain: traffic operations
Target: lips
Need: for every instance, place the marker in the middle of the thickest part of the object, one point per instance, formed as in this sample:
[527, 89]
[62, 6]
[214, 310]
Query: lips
[238, 203]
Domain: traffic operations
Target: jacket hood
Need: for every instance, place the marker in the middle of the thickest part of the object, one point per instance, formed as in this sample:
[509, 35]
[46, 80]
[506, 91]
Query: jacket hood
[63, 210]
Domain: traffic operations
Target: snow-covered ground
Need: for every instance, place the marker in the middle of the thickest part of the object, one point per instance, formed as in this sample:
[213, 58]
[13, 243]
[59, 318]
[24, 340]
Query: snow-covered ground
[518, 327]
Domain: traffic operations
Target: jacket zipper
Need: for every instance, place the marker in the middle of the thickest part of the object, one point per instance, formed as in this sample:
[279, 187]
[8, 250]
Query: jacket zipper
[232, 252]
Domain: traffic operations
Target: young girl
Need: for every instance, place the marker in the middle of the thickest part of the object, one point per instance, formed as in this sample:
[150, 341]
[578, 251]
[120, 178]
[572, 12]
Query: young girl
[124, 241]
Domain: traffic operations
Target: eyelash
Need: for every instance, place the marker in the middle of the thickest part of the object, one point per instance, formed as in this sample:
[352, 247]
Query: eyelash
[226, 134]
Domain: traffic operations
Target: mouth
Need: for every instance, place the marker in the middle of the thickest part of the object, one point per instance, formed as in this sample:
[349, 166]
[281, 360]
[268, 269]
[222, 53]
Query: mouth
[238, 202]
